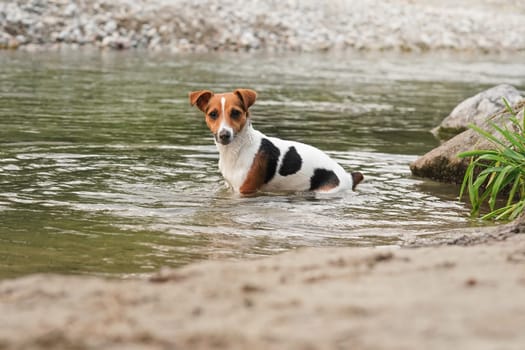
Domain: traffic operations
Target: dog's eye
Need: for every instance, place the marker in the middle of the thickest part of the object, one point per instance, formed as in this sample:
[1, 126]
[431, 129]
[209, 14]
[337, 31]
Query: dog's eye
[235, 114]
[213, 115]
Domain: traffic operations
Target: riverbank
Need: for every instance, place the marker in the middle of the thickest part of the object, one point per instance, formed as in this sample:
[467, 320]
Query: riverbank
[450, 296]
[482, 26]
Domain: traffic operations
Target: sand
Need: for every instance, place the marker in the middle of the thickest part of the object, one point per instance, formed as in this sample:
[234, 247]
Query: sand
[443, 297]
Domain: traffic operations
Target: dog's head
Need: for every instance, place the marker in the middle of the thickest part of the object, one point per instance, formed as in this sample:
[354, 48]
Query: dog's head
[226, 114]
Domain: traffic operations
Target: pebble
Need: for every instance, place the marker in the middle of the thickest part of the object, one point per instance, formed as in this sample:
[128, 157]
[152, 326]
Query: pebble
[275, 26]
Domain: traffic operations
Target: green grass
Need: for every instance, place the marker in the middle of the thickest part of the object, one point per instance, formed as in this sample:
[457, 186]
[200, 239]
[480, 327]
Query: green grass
[497, 173]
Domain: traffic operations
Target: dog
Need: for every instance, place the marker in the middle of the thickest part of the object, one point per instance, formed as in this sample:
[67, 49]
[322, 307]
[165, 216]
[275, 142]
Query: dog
[251, 161]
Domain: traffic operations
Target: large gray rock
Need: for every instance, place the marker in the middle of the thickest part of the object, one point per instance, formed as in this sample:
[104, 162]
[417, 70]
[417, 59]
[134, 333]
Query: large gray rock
[476, 109]
[443, 164]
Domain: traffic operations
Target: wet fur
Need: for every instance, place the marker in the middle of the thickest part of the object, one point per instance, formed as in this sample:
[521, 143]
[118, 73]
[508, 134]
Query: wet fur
[250, 161]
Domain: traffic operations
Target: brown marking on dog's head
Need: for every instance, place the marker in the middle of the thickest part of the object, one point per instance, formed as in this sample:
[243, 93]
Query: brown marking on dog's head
[200, 98]
[226, 114]
[247, 97]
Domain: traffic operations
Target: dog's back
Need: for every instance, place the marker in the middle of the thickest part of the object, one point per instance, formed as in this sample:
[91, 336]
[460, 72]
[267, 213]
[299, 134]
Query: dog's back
[301, 167]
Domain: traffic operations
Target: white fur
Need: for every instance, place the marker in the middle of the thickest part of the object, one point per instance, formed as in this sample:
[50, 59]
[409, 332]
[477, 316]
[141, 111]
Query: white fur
[313, 158]
[224, 125]
[235, 161]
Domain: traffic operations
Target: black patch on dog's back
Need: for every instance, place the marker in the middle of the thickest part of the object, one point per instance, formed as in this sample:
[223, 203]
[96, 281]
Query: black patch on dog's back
[292, 162]
[323, 178]
[272, 154]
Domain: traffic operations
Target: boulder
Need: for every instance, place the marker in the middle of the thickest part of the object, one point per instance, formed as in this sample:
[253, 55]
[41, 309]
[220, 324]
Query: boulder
[476, 109]
[442, 163]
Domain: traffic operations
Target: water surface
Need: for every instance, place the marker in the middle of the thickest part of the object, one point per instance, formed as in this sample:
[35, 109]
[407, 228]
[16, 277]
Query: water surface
[106, 169]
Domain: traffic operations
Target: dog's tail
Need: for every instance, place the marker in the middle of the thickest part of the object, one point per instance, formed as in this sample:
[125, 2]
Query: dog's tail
[357, 177]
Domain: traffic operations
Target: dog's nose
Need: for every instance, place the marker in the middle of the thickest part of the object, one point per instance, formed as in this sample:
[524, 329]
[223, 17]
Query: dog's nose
[224, 137]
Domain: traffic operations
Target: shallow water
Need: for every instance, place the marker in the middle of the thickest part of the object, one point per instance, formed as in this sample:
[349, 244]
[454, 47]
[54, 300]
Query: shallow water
[105, 168]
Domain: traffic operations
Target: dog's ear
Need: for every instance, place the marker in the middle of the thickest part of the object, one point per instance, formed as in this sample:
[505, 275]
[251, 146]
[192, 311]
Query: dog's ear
[247, 97]
[200, 98]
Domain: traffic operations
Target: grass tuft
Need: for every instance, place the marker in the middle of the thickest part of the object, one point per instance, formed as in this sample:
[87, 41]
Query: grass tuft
[493, 174]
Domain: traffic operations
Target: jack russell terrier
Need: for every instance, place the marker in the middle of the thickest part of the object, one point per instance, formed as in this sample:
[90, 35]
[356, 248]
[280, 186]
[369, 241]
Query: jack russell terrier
[251, 161]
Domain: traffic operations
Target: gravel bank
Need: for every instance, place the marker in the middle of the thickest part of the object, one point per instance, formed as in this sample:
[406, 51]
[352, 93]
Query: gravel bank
[227, 25]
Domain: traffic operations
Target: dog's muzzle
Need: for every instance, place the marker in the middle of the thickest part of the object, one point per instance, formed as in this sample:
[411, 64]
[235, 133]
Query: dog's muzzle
[224, 137]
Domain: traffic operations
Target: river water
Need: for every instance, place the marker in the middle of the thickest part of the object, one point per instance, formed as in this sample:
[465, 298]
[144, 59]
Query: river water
[106, 169]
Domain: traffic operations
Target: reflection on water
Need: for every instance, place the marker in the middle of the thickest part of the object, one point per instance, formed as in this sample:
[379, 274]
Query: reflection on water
[104, 167]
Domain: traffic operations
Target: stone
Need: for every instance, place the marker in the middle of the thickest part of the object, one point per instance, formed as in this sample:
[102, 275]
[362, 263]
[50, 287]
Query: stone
[4, 40]
[21, 39]
[248, 40]
[13, 43]
[443, 164]
[70, 10]
[476, 109]
[63, 35]
[110, 26]
[117, 42]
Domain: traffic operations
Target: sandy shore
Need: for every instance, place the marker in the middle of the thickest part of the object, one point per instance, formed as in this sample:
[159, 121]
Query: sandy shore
[446, 297]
